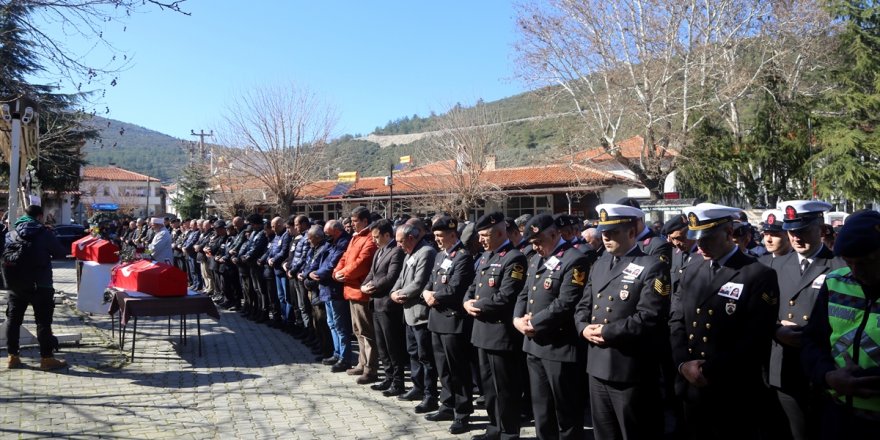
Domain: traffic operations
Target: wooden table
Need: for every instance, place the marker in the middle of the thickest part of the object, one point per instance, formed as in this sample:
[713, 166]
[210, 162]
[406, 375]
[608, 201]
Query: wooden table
[132, 305]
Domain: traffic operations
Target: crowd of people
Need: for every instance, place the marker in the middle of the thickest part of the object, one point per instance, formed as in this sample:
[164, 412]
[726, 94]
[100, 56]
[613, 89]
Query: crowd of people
[668, 330]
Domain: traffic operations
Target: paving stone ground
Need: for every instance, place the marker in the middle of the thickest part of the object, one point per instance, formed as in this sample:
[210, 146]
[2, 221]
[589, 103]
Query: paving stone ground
[253, 382]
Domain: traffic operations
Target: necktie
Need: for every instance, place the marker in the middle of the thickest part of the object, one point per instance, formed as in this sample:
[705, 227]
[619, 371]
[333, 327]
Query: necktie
[614, 261]
[804, 265]
[715, 266]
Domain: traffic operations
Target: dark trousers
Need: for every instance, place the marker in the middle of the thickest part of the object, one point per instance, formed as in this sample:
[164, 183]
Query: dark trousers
[391, 343]
[300, 304]
[244, 280]
[270, 290]
[708, 413]
[839, 422]
[218, 282]
[258, 284]
[230, 285]
[557, 397]
[500, 372]
[421, 359]
[195, 272]
[625, 410]
[802, 417]
[21, 294]
[452, 356]
[322, 330]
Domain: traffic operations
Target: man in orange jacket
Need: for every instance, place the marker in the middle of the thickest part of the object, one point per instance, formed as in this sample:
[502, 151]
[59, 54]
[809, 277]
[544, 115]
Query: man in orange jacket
[351, 271]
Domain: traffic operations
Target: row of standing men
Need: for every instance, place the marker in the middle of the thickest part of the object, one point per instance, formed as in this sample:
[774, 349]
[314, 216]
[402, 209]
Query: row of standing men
[672, 342]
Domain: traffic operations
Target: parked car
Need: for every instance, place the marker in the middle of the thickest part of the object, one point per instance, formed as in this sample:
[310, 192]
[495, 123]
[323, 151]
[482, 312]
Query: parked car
[67, 234]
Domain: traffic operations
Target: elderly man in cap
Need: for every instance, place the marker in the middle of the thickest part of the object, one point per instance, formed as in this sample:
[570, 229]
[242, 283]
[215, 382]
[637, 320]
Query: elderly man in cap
[774, 237]
[544, 314]
[841, 340]
[160, 246]
[623, 316]
[450, 326]
[500, 276]
[722, 320]
[801, 275]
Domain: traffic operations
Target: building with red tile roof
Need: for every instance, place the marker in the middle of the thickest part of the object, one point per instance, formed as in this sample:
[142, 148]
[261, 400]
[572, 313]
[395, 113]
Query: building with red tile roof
[132, 193]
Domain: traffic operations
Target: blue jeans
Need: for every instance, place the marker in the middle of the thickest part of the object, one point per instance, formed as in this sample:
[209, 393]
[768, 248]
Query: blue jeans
[281, 290]
[339, 320]
[195, 273]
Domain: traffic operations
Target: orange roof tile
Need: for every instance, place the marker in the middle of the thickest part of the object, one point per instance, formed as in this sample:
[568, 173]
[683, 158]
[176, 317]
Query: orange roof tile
[113, 173]
[629, 148]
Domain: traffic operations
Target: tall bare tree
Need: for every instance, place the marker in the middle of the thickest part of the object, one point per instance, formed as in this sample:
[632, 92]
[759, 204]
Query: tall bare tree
[280, 133]
[462, 150]
[665, 64]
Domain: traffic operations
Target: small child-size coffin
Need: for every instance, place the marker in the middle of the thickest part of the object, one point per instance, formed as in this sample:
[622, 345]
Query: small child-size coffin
[95, 249]
[157, 279]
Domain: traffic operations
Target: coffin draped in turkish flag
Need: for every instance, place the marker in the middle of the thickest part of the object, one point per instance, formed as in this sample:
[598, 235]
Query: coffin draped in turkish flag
[157, 279]
[95, 249]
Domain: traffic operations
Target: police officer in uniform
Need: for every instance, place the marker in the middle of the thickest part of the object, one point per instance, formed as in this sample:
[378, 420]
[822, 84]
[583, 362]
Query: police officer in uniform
[544, 313]
[842, 338]
[500, 276]
[450, 326]
[775, 238]
[648, 240]
[723, 317]
[801, 275]
[622, 313]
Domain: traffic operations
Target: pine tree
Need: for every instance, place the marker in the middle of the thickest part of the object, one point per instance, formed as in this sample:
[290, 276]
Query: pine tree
[192, 190]
[62, 132]
[848, 166]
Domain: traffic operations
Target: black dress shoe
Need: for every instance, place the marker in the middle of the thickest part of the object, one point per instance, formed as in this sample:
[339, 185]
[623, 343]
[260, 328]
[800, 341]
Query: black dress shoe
[381, 386]
[412, 395]
[339, 367]
[483, 436]
[480, 402]
[332, 360]
[443, 415]
[428, 404]
[393, 391]
[459, 426]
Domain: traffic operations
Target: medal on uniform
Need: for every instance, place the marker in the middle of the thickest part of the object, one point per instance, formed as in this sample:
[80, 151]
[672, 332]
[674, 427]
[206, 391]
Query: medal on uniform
[624, 295]
[548, 283]
[730, 308]
[491, 281]
[443, 279]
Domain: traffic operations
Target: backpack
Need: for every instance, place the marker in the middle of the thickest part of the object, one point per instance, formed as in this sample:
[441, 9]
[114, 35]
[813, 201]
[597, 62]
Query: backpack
[17, 252]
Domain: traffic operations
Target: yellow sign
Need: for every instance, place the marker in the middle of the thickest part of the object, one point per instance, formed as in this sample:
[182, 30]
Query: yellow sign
[405, 159]
[349, 176]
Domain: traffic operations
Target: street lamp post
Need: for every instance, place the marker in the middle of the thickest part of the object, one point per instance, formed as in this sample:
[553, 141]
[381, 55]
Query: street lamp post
[18, 114]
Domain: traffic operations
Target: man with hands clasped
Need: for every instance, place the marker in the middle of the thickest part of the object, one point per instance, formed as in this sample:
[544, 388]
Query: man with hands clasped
[621, 315]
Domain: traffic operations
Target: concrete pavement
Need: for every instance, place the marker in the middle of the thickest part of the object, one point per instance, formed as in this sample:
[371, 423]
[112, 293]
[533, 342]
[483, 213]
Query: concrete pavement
[252, 382]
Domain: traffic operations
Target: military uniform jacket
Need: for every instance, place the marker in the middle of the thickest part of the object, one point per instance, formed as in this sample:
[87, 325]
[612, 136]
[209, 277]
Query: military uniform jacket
[631, 300]
[678, 262]
[527, 250]
[500, 277]
[732, 335]
[451, 277]
[551, 295]
[797, 297]
[651, 244]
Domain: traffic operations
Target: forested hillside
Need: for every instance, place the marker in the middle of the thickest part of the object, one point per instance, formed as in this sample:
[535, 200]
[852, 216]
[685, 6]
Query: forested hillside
[136, 148]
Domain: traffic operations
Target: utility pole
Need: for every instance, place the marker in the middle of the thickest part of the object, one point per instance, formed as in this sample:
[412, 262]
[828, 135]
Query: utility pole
[202, 135]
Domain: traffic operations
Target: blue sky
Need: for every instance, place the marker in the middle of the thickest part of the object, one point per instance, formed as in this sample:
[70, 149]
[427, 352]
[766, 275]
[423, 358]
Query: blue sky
[374, 61]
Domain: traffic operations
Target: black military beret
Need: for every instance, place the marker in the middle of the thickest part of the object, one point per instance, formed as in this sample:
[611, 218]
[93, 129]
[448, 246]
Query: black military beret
[489, 220]
[511, 223]
[859, 236]
[537, 224]
[255, 219]
[676, 223]
[522, 220]
[445, 223]
[220, 224]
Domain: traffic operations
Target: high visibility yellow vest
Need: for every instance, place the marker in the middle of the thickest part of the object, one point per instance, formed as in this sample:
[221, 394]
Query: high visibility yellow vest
[851, 326]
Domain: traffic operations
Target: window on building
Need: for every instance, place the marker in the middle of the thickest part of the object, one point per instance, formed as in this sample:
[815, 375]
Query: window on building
[516, 206]
[106, 191]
